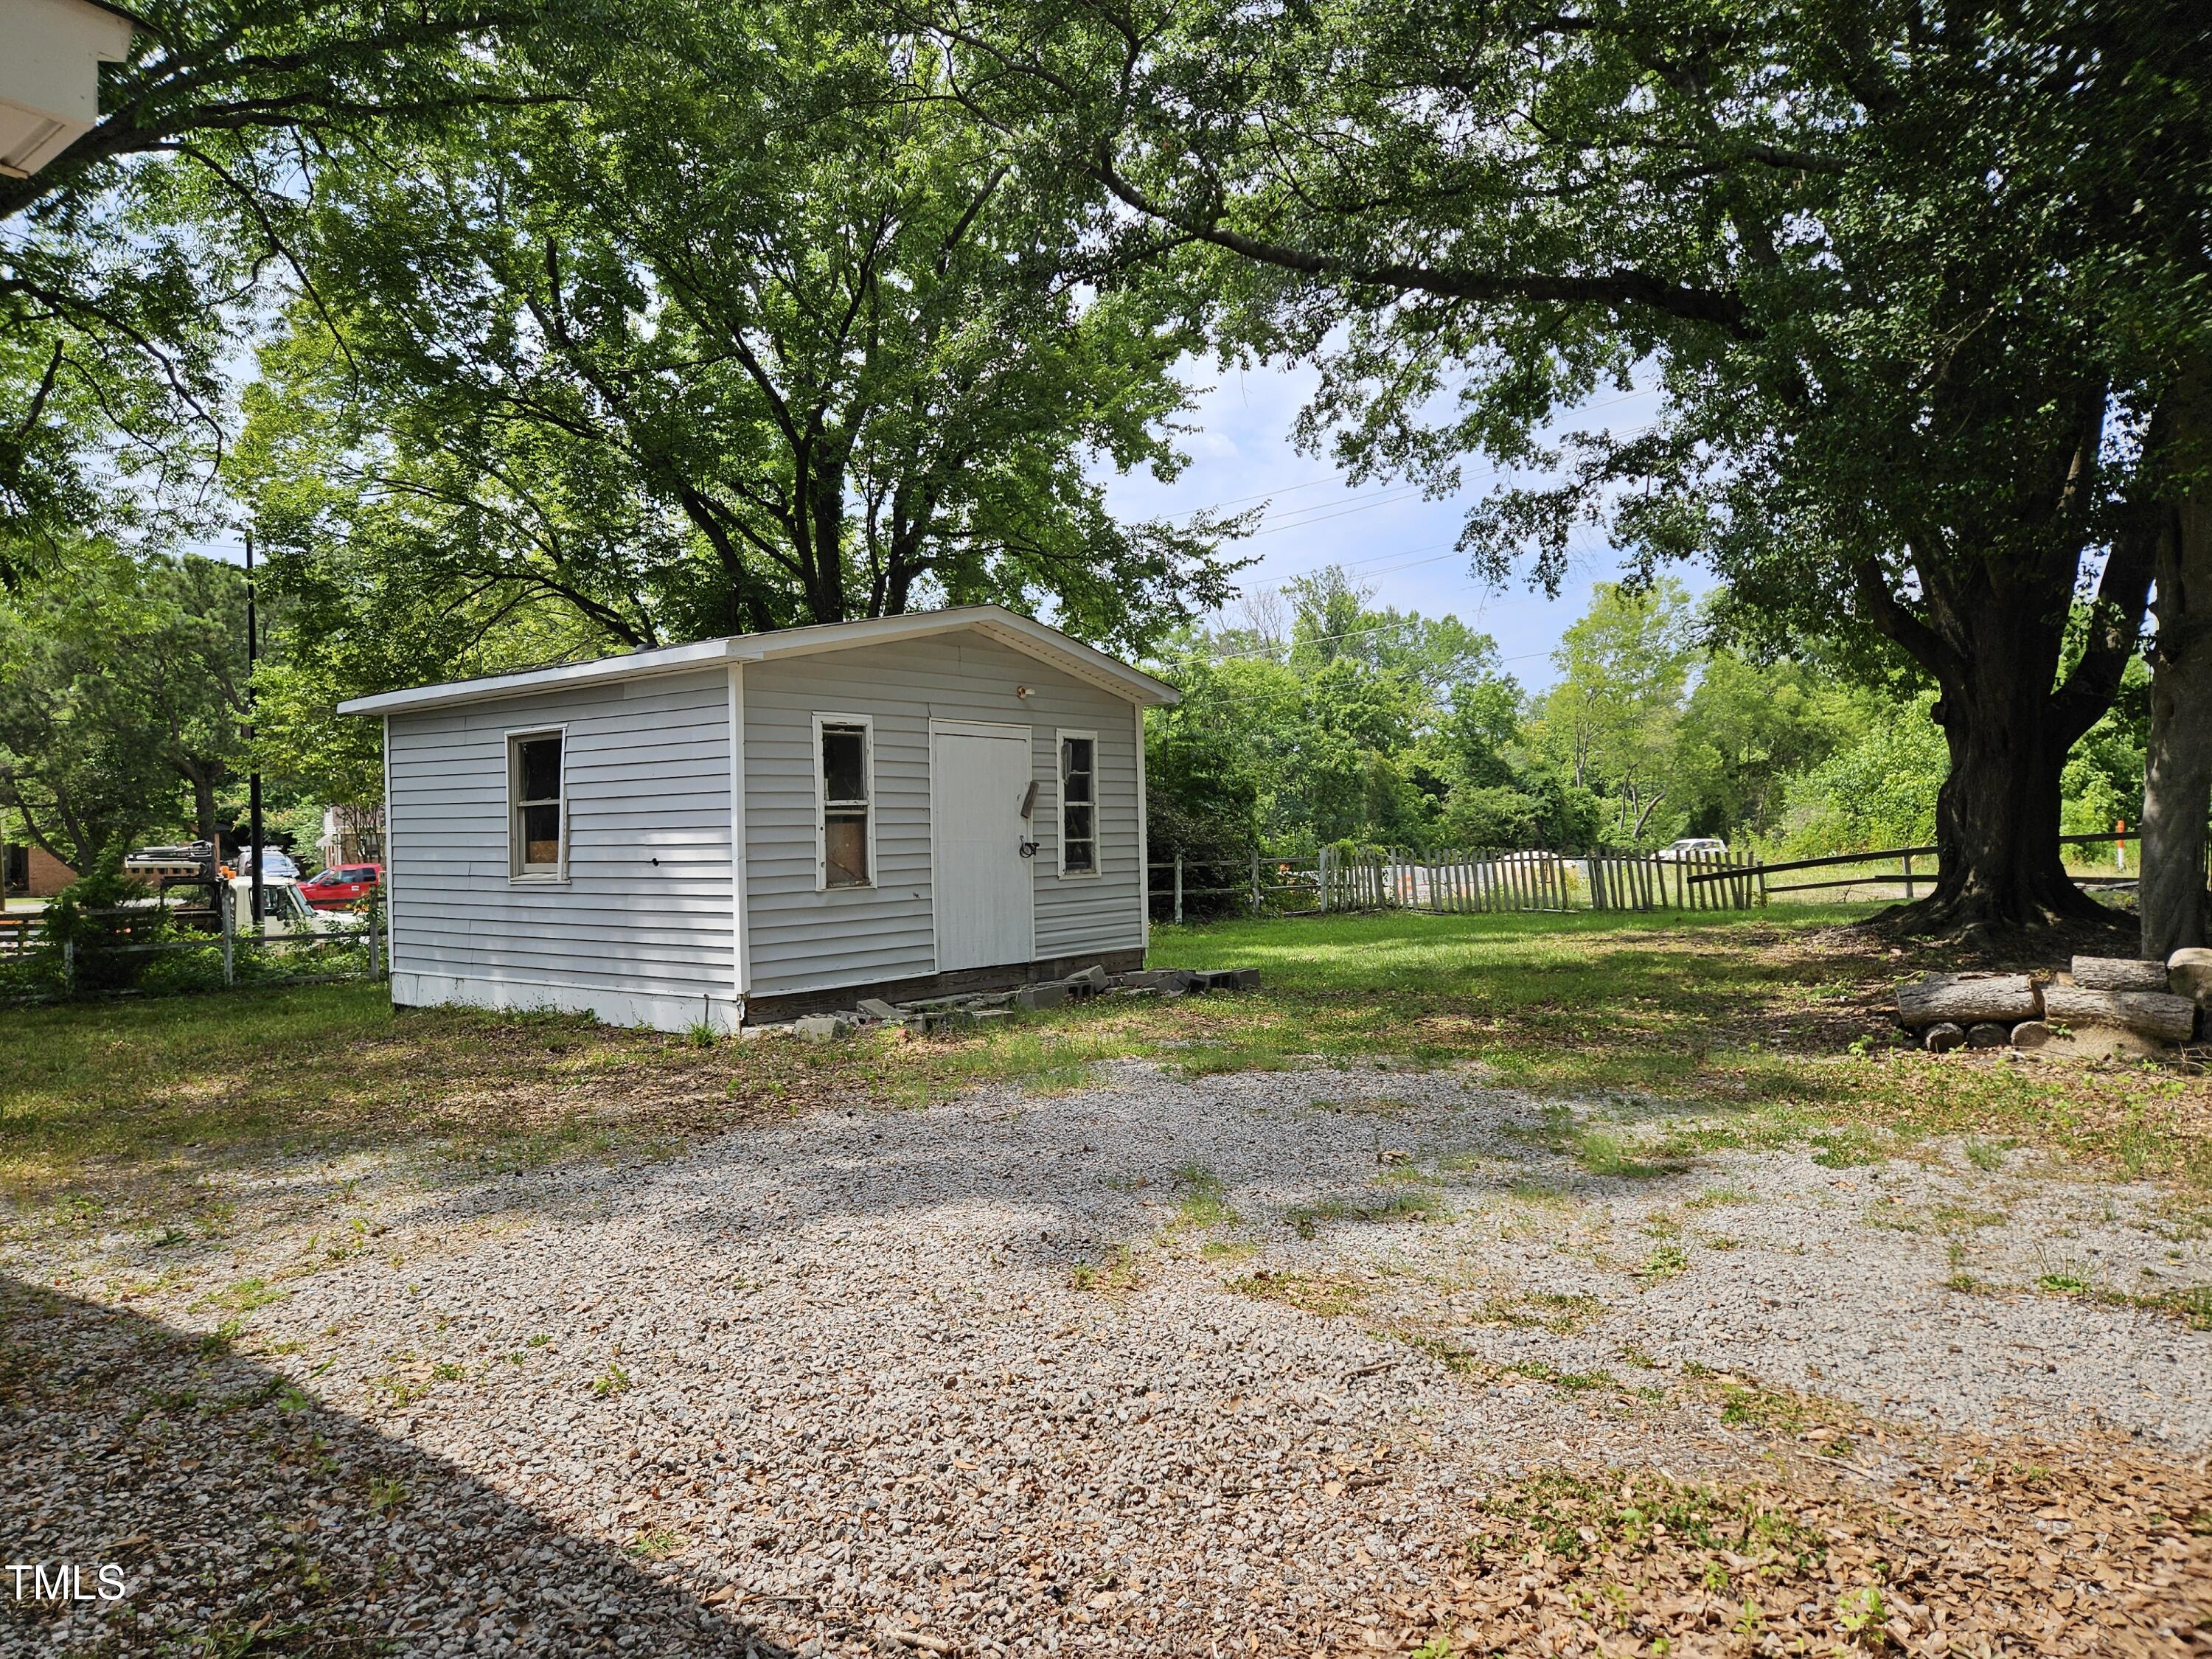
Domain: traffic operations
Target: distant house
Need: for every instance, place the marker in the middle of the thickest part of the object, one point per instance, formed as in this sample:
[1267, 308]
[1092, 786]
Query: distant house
[32, 871]
[750, 827]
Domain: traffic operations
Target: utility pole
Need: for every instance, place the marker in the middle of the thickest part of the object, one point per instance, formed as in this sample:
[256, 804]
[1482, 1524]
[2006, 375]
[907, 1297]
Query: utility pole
[252, 778]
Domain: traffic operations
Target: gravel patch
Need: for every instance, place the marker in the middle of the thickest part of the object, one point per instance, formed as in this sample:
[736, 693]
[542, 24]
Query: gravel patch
[1155, 1366]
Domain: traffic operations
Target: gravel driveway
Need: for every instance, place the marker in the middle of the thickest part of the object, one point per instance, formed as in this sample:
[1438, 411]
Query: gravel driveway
[1156, 1367]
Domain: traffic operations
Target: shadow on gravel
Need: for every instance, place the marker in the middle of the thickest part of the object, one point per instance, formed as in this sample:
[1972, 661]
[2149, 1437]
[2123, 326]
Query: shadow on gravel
[239, 1517]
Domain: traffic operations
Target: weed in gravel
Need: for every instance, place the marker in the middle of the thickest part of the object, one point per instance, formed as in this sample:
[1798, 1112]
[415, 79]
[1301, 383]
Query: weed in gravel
[1985, 1155]
[245, 1296]
[1227, 1250]
[1326, 1294]
[654, 1544]
[1562, 1315]
[1419, 1205]
[385, 1493]
[1715, 1197]
[1601, 1152]
[2192, 1306]
[1666, 1261]
[610, 1382]
[1204, 1200]
[1117, 1274]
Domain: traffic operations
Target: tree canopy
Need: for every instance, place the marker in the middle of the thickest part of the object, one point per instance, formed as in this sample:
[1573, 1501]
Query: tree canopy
[1915, 285]
[735, 338]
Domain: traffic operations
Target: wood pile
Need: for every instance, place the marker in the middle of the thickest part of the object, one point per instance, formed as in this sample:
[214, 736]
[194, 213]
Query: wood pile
[2104, 1006]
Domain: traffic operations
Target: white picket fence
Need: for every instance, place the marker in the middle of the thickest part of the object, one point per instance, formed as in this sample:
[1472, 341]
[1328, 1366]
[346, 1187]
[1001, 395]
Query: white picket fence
[1522, 880]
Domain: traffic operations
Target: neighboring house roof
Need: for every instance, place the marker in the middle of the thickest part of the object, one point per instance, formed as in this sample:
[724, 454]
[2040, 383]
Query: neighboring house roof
[1018, 633]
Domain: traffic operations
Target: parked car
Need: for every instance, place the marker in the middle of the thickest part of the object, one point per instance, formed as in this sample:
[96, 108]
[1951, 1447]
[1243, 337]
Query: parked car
[1692, 847]
[275, 861]
[342, 885]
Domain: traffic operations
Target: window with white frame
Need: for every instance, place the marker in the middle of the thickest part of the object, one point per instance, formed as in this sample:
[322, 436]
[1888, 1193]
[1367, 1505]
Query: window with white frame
[538, 823]
[1078, 804]
[844, 766]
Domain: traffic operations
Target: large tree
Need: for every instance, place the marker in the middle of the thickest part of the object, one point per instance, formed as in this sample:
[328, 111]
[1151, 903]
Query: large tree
[122, 690]
[128, 262]
[737, 339]
[1876, 258]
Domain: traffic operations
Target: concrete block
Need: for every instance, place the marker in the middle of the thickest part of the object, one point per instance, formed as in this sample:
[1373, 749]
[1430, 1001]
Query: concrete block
[877, 1008]
[824, 1027]
[1042, 996]
[1088, 982]
[1229, 979]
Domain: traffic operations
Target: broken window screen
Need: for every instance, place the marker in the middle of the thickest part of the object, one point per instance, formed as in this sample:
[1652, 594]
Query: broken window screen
[1078, 835]
[844, 806]
[537, 804]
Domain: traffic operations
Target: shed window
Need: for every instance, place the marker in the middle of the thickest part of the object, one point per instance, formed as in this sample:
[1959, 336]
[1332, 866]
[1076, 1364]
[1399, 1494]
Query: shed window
[1079, 807]
[538, 827]
[845, 806]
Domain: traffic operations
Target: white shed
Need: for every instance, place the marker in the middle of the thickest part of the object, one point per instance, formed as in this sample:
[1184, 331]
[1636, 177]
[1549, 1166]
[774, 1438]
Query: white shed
[753, 827]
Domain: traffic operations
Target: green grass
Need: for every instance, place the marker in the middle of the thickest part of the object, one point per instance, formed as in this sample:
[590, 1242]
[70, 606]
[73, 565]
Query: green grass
[1704, 1031]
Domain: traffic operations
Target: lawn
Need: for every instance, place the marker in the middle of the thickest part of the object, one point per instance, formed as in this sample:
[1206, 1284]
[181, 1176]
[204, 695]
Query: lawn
[1768, 1028]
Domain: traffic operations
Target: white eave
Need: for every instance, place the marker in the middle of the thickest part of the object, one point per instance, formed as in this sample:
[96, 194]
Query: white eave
[51, 51]
[1016, 632]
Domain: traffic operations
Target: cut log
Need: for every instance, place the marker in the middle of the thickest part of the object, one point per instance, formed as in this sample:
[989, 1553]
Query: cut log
[1967, 1000]
[2118, 974]
[1988, 1035]
[2189, 974]
[2031, 1034]
[1943, 1037]
[2148, 1013]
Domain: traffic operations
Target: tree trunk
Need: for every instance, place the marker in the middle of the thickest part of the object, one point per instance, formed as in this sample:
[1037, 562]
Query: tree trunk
[1997, 816]
[2178, 755]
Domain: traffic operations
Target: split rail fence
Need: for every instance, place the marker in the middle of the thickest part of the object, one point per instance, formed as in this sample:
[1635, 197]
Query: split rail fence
[1602, 880]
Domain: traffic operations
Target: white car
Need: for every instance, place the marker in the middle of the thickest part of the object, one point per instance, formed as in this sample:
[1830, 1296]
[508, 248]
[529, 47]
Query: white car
[1692, 847]
[276, 862]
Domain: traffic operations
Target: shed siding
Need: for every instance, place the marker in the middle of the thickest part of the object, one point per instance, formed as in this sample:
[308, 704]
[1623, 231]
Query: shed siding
[647, 777]
[801, 940]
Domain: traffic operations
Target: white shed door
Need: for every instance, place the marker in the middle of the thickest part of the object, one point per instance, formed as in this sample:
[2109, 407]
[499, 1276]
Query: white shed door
[978, 776]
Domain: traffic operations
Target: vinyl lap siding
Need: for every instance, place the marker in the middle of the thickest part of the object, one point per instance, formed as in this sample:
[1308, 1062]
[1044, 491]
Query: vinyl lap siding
[647, 777]
[802, 940]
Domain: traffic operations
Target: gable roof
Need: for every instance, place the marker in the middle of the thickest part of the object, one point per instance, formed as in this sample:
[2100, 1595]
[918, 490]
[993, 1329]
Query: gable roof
[1007, 627]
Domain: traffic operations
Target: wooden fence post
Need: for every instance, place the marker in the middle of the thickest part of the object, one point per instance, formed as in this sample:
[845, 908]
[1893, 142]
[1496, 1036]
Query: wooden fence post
[1908, 878]
[229, 932]
[1255, 881]
[1178, 887]
[1320, 873]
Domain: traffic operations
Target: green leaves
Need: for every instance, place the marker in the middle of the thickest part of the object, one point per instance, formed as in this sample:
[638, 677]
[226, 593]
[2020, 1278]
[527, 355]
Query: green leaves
[752, 328]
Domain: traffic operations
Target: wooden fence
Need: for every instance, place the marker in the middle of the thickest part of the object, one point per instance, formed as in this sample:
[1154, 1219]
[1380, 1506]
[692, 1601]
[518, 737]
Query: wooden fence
[1454, 883]
[1499, 880]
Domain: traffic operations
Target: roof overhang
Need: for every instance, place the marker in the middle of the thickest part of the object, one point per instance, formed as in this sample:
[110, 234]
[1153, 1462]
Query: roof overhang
[49, 74]
[1006, 628]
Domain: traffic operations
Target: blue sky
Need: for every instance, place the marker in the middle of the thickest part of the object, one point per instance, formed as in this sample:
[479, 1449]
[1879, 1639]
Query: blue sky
[1386, 535]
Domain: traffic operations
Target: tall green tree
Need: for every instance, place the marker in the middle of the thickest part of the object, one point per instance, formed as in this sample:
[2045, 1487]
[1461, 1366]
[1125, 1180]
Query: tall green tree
[124, 695]
[1887, 267]
[739, 338]
[1614, 717]
[130, 264]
